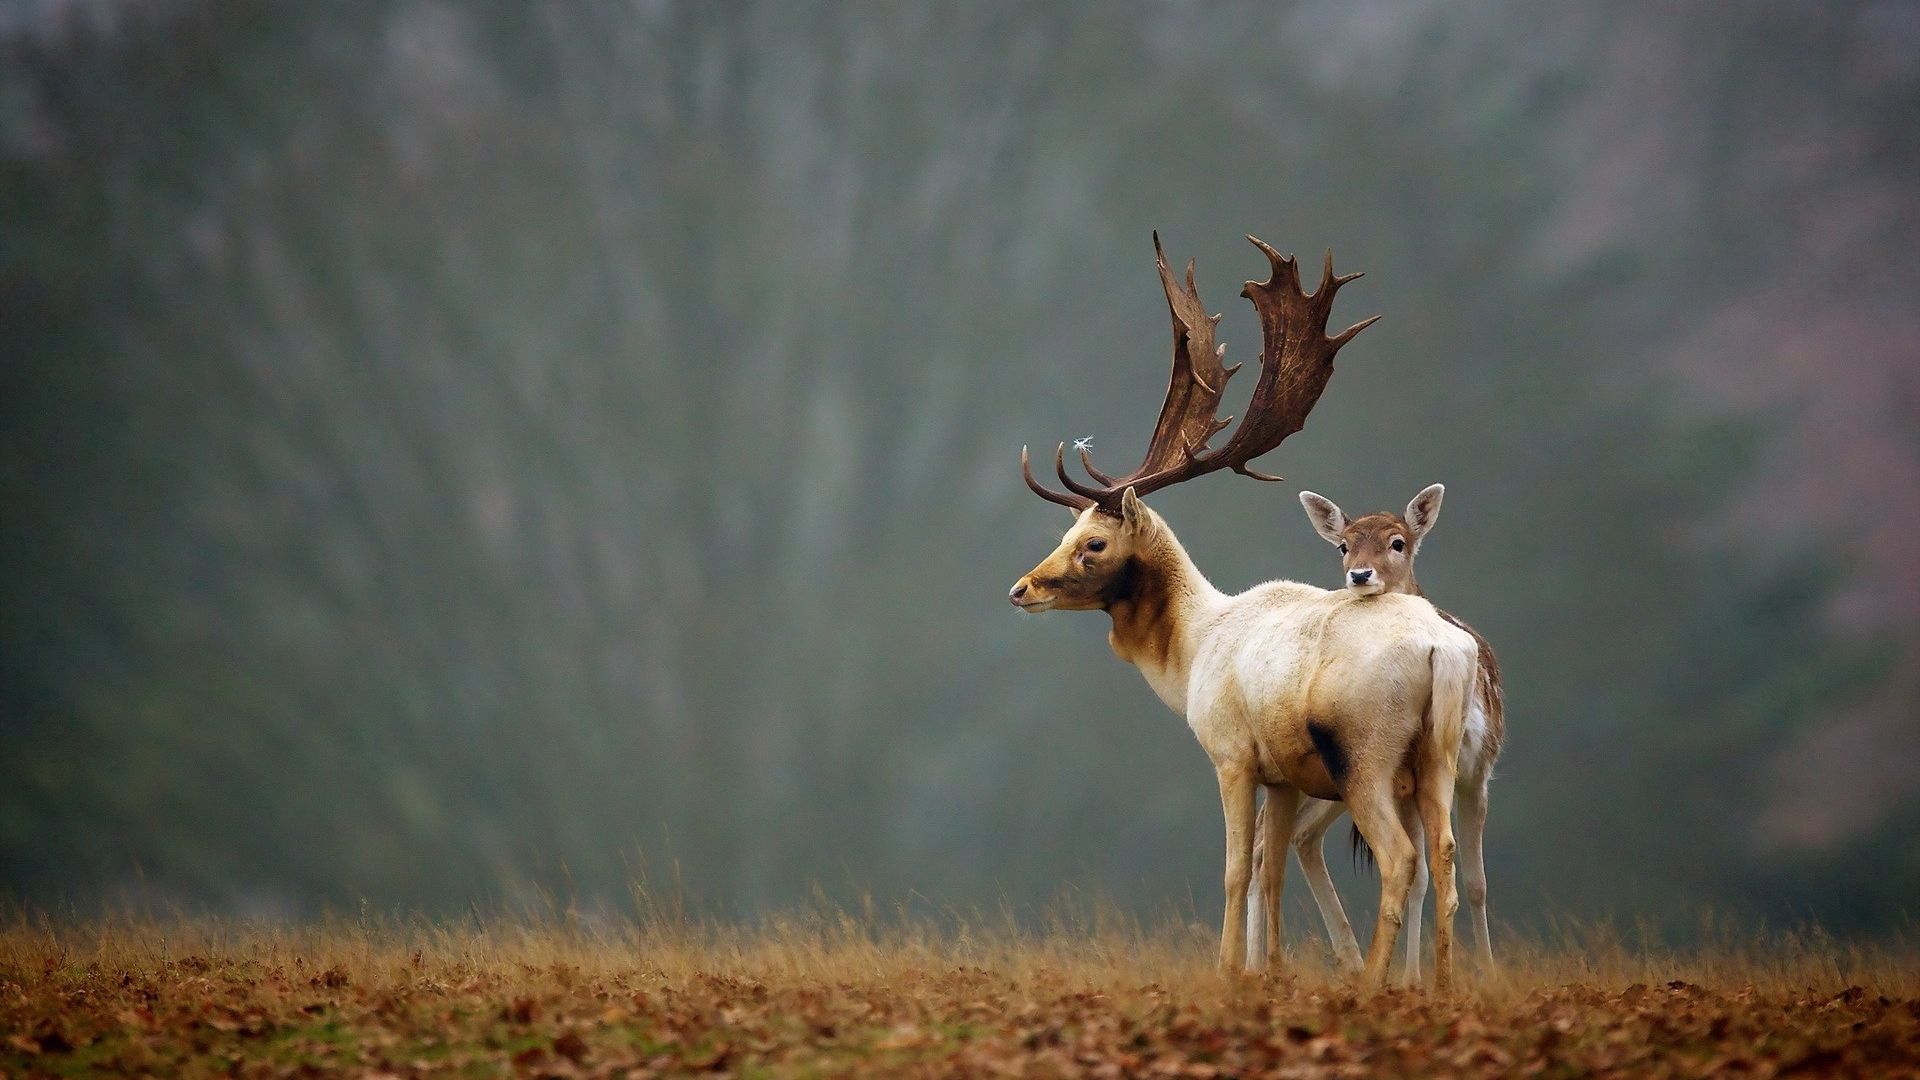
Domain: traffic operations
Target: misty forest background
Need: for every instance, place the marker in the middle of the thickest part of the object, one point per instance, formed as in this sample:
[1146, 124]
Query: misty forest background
[458, 454]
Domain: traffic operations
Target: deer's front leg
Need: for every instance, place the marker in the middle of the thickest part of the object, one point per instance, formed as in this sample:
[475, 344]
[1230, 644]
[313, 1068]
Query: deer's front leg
[1473, 825]
[1236, 802]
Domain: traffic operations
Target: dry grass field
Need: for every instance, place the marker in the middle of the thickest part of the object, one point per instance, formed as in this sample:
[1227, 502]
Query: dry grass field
[829, 996]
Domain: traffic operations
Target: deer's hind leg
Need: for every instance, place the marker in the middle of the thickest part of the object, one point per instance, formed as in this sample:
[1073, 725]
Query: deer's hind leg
[1473, 865]
[1276, 823]
[1435, 797]
[1309, 842]
[1370, 798]
[1256, 898]
[1417, 893]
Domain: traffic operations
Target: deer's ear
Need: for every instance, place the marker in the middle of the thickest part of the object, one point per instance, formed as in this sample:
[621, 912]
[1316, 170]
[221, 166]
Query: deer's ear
[1424, 510]
[1327, 519]
[1133, 512]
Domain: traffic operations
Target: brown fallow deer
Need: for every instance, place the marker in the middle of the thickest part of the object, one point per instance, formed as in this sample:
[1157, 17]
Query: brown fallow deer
[1310, 692]
[1376, 555]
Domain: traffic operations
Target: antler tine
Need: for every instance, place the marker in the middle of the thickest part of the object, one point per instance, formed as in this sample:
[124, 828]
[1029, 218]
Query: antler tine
[1347, 335]
[1086, 462]
[1060, 468]
[1072, 502]
[1329, 284]
[1323, 300]
[1240, 466]
[1285, 265]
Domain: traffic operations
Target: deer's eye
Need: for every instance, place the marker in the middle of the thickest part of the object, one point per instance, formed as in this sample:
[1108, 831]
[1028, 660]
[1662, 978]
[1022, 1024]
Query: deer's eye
[1399, 544]
[1343, 549]
[1096, 544]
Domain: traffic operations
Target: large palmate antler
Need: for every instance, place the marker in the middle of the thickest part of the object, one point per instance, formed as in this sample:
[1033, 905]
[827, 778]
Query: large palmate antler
[1296, 359]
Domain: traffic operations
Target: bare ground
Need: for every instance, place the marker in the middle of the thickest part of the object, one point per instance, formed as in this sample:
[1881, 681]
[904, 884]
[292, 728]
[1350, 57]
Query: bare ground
[837, 996]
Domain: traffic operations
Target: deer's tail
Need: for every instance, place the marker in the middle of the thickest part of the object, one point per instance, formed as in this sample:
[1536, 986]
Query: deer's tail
[1454, 672]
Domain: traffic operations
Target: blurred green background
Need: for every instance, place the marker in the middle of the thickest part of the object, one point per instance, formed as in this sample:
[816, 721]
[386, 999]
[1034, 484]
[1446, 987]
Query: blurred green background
[456, 454]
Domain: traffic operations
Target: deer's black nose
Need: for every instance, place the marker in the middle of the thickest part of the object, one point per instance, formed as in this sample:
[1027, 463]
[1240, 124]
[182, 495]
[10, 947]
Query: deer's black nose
[1360, 577]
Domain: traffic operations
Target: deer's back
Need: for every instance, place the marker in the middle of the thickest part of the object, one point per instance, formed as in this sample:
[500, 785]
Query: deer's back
[1282, 656]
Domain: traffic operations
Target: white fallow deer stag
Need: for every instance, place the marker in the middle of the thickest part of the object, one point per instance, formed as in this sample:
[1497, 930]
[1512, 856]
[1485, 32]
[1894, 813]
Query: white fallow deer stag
[1376, 557]
[1307, 691]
